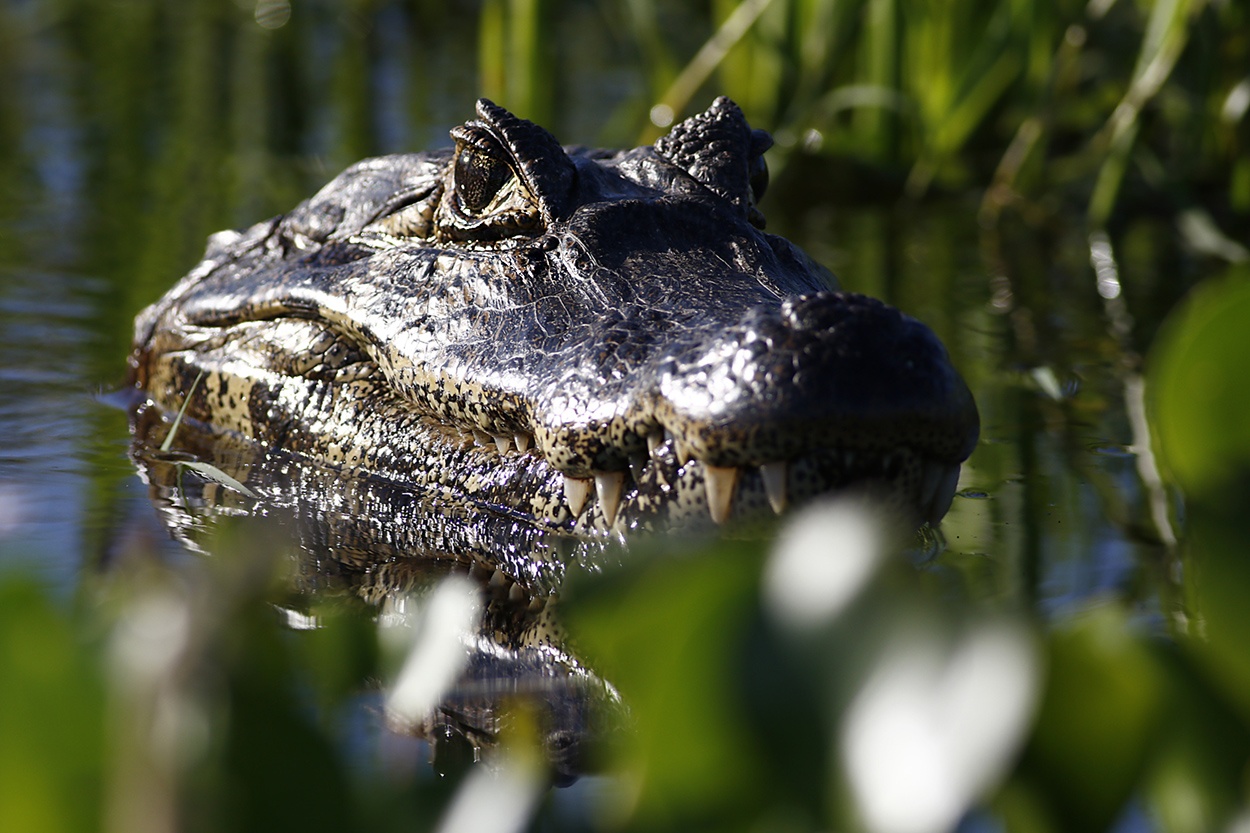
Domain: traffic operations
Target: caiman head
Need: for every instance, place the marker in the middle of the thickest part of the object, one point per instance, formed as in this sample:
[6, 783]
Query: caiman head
[589, 340]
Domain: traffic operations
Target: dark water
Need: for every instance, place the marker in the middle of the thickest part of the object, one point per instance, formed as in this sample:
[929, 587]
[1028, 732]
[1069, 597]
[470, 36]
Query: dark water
[119, 154]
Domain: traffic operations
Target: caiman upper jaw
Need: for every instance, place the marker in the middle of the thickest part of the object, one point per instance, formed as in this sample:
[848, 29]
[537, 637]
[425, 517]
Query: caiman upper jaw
[829, 369]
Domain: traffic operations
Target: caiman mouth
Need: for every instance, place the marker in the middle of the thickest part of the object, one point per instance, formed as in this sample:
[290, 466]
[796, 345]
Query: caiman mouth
[796, 400]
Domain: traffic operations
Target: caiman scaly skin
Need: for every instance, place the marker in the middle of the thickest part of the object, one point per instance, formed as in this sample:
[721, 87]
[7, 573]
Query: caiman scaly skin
[586, 340]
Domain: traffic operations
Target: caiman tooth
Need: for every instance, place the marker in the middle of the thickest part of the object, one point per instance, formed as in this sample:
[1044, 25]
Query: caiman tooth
[945, 495]
[576, 492]
[668, 436]
[683, 451]
[481, 437]
[523, 441]
[720, 482]
[516, 593]
[637, 465]
[774, 475]
[655, 440]
[498, 580]
[608, 485]
[503, 444]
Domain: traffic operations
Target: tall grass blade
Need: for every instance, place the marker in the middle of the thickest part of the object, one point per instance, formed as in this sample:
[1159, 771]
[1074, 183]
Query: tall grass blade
[173, 429]
[677, 97]
[492, 51]
[876, 129]
[1167, 32]
[512, 57]
[949, 135]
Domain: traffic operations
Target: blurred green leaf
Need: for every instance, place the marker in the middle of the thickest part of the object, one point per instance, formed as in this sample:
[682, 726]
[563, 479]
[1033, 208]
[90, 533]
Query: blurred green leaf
[1197, 780]
[1198, 389]
[666, 630]
[51, 717]
[1198, 372]
[1216, 581]
[273, 751]
[339, 655]
[1099, 718]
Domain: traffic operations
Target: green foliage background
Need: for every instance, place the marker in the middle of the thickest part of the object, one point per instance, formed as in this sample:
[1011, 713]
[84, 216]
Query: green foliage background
[1089, 114]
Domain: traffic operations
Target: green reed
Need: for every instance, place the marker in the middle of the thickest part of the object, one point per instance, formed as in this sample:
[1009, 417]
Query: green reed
[511, 64]
[1036, 98]
[1023, 100]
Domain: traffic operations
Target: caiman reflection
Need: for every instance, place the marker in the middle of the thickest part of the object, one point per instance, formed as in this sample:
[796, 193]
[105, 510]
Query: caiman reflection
[481, 356]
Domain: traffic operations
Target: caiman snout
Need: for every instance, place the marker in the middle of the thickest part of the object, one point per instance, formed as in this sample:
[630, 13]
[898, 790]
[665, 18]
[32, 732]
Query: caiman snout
[829, 375]
[824, 369]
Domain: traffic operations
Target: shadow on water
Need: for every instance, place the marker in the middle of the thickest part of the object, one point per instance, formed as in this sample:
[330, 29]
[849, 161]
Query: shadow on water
[135, 129]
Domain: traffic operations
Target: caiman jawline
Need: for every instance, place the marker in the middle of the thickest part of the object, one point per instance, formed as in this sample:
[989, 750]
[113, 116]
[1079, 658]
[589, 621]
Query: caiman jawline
[936, 488]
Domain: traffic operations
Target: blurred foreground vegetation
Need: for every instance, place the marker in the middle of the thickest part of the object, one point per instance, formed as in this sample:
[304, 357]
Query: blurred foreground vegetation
[171, 697]
[824, 680]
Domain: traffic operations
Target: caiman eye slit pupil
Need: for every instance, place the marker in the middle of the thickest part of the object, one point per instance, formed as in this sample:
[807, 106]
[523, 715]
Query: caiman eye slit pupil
[479, 176]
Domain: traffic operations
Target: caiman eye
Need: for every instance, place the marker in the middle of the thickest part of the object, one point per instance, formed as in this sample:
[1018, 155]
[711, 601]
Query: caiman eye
[487, 199]
[480, 174]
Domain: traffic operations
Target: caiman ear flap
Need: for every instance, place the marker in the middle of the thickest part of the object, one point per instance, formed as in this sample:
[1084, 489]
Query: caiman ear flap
[720, 150]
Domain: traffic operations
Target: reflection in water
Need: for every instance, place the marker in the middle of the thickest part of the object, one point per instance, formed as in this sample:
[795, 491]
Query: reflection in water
[355, 537]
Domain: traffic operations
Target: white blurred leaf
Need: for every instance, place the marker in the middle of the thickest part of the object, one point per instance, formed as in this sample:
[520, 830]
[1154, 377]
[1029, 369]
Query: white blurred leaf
[823, 559]
[501, 799]
[436, 631]
[936, 723]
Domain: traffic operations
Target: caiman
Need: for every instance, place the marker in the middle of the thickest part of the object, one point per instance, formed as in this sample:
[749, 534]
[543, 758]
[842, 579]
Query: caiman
[492, 358]
[587, 341]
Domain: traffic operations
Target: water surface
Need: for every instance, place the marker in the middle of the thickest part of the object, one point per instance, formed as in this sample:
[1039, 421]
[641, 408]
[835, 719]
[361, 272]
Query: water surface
[117, 161]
